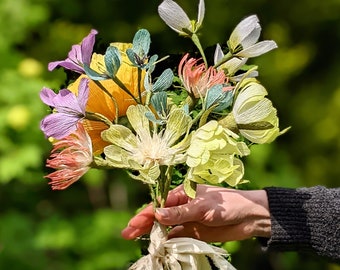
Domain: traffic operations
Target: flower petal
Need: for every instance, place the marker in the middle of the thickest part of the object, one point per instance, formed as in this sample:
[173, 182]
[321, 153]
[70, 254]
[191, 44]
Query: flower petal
[174, 16]
[78, 55]
[253, 36]
[201, 12]
[258, 49]
[58, 125]
[177, 125]
[218, 55]
[47, 96]
[86, 47]
[67, 63]
[242, 31]
[83, 93]
[67, 102]
[138, 120]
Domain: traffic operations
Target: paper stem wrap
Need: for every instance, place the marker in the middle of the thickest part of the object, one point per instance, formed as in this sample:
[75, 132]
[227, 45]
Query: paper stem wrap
[180, 253]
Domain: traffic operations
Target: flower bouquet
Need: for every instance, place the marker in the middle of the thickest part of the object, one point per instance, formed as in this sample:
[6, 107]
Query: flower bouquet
[187, 125]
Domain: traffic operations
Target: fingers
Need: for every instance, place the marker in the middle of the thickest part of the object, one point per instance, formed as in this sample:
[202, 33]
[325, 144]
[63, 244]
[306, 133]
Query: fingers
[212, 234]
[178, 214]
[139, 224]
[176, 197]
[142, 222]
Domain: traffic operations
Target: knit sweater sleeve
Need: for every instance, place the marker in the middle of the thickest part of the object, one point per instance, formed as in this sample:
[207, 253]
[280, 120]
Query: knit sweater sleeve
[305, 219]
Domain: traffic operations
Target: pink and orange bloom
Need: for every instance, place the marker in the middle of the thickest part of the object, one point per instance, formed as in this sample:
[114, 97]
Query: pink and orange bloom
[71, 158]
[197, 79]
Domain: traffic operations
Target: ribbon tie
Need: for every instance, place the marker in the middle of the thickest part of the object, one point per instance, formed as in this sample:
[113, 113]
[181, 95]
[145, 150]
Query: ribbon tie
[180, 253]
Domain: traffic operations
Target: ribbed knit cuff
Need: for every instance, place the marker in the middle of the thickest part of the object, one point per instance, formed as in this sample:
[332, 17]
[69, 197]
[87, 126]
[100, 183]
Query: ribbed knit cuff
[305, 219]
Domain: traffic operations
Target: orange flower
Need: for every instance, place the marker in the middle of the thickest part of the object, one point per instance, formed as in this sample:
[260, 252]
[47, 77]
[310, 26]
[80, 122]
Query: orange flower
[100, 102]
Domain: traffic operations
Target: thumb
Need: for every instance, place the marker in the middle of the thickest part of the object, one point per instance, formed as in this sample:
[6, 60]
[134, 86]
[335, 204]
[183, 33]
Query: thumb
[175, 215]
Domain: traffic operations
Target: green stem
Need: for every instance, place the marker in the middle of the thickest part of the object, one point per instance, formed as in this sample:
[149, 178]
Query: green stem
[153, 196]
[197, 42]
[198, 116]
[139, 84]
[159, 192]
[167, 183]
[98, 117]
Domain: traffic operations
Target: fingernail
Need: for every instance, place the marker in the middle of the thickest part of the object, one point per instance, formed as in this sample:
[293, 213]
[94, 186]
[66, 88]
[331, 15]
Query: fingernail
[162, 212]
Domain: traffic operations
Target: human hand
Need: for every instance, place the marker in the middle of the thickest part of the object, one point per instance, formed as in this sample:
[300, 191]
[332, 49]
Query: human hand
[216, 214]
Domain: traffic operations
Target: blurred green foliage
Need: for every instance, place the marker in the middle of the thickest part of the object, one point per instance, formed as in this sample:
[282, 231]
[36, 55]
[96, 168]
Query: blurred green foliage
[80, 228]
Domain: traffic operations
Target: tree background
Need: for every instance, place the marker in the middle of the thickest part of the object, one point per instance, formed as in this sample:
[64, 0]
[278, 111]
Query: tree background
[79, 228]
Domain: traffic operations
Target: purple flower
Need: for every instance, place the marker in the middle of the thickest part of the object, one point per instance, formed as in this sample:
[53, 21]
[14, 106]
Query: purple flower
[69, 109]
[78, 56]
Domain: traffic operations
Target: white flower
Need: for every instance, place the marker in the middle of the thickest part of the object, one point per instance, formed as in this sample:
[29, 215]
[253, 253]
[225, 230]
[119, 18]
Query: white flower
[232, 65]
[253, 115]
[176, 18]
[243, 40]
[147, 150]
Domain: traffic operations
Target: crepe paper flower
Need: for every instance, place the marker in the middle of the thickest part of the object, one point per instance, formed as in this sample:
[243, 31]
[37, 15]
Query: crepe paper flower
[138, 54]
[243, 40]
[146, 151]
[253, 115]
[69, 109]
[231, 65]
[196, 78]
[78, 56]
[102, 103]
[220, 97]
[71, 157]
[212, 155]
[176, 18]
[112, 62]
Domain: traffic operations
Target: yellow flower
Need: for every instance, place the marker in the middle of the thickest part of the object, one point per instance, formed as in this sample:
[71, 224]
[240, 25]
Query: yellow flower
[100, 102]
[253, 115]
[146, 151]
[212, 155]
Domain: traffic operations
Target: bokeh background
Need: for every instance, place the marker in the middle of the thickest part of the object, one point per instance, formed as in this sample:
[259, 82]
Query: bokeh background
[79, 228]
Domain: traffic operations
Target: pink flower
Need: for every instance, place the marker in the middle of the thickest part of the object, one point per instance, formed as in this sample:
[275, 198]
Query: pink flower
[71, 158]
[196, 78]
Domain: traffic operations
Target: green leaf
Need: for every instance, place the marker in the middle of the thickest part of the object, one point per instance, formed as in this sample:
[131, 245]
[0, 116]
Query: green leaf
[217, 96]
[94, 75]
[164, 81]
[152, 63]
[112, 60]
[141, 42]
[159, 102]
[153, 118]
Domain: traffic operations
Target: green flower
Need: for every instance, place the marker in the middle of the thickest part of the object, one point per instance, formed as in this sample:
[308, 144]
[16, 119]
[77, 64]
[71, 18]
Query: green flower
[146, 150]
[253, 115]
[212, 155]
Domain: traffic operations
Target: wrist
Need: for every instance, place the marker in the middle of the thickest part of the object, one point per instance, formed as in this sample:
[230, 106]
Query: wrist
[260, 214]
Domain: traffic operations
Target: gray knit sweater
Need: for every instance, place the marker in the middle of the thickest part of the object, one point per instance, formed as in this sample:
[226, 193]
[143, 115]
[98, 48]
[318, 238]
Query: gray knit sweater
[305, 219]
